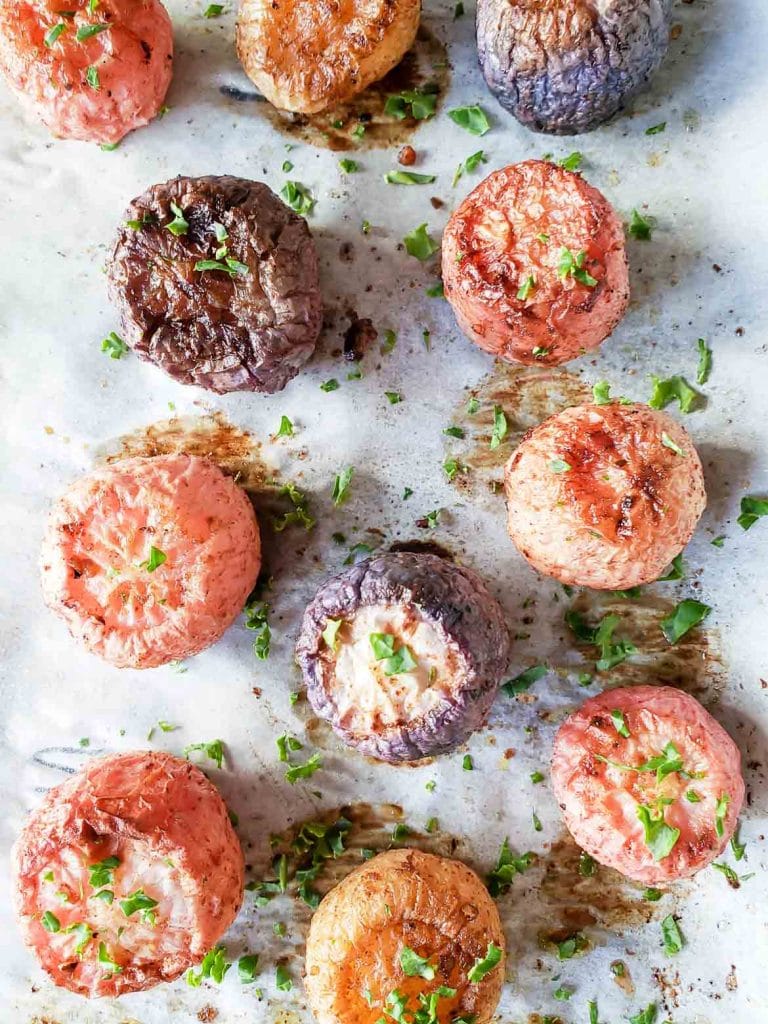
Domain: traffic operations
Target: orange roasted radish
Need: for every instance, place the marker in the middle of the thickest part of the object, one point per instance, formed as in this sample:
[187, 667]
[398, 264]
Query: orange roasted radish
[534, 264]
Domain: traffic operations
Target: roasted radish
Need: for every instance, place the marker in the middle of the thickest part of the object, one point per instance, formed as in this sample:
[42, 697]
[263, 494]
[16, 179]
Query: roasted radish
[127, 874]
[566, 67]
[308, 55]
[403, 654]
[534, 264]
[604, 496]
[407, 932]
[149, 560]
[648, 782]
[94, 71]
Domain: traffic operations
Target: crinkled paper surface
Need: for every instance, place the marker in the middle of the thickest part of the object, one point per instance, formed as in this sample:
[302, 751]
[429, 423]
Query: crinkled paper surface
[64, 404]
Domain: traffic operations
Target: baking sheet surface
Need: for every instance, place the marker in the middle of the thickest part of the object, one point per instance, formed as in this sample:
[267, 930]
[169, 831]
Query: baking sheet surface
[66, 406]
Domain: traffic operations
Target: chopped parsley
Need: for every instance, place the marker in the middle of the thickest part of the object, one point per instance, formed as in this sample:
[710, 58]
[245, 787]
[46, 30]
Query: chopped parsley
[560, 466]
[612, 652]
[400, 832]
[571, 265]
[50, 37]
[395, 661]
[155, 560]
[138, 901]
[673, 446]
[500, 426]
[422, 105]
[619, 722]
[652, 895]
[721, 810]
[676, 570]
[507, 867]
[684, 617]
[341, 485]
[214, 751]
[470, 164]
[537, 777]
[572, 162]
[298, 197]
[214, 965]
[737, 846]
[524, 680]
[92, 78]
[110, 965]
[419, 243]
[562, 993]
[472, 406]
[349, 166]
[50, 922]
[256, 618]
[89, 31]
[660, 838]
[103, 872]
[640, 227]
[587, 865]
[484, 965]
[673, 389]
[673, 937]
[646, 1016]
[357, 553]
[452, 467]
[473, 119]
[752, 509]
[304, 771]
[114, 346]
[705, 362]
[177, 226]
[285, 745]
[247, 967]
[415, 966]
[467, 763]
[526, 288]
[285, 429]
[568, 948]
[330, 385]
[228, 265]
[408, 178]
[331, 632]
[393, 397]
[656, 129]
[389, 342]
[435, 291]
[213, 10]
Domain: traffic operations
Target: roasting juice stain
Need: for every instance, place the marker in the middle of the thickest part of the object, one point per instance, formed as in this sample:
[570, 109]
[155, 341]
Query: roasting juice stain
[575, 902]
[371, 829]
[236, 452]
[211, 436]
[425, 68]
[527, 395]
[423, 547]
[694, 664]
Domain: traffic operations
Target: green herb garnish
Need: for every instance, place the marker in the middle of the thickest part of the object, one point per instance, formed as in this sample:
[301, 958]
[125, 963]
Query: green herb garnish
[419, 244]
[473, 119]
[684, 617]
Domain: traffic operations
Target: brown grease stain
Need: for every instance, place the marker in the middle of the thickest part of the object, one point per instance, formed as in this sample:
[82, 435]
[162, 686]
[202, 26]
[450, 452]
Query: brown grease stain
[212, 437]
[424, 67]
[423, 547]
[527, 395]
[574, 902]
[372, 826]
[694, 664]
[237, 453]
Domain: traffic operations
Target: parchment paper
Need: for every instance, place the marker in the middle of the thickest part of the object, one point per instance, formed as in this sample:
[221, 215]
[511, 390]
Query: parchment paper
[65, 404]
